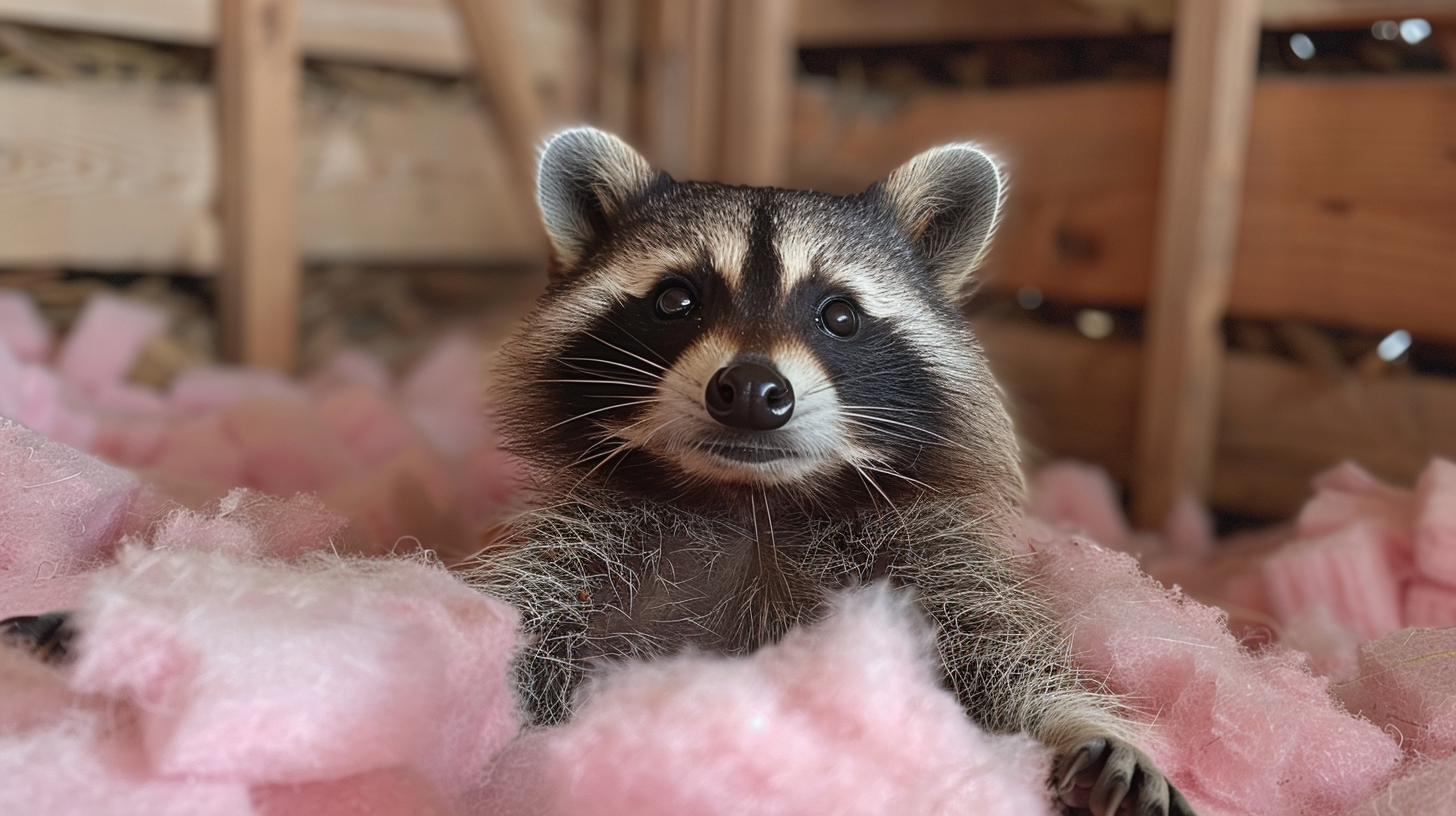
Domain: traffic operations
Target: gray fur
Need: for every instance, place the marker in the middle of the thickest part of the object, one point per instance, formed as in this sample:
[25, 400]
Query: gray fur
[586, 178]
[948, 201]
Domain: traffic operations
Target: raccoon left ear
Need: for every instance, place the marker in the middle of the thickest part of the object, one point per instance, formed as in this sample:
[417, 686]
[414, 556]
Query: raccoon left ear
[586, 180]
[946, 201]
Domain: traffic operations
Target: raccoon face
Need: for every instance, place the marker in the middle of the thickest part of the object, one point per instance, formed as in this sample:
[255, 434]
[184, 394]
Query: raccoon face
[704, 337]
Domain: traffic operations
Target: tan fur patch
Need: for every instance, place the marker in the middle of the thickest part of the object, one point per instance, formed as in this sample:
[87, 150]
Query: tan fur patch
[677, 424]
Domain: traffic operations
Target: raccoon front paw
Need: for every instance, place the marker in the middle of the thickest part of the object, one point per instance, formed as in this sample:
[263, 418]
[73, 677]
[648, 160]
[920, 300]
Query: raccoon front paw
[1106, 776]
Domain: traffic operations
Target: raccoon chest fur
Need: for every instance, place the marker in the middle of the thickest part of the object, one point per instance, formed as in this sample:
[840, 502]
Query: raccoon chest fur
[727, 583]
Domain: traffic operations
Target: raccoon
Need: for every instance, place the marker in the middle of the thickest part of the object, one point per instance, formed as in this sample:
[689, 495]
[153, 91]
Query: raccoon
[734, 401]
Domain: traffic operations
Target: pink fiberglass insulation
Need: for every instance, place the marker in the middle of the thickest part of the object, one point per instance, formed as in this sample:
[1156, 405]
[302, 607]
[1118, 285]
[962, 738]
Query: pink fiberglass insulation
[443, 396]
[212, 388]
[57, 505]
[212, 678]
[1083, 498]
[1239, 732]
[247, 523]
[1435, 522]
[32, 694]
[352, 367]
[1347, 571]
[106, 340]
[1429, 788]
[847, 717]
[83, 764]
[395, 791]
[22, 328]
[368, 424]
[248, 670]
[288, 447]
[413, 463]
[1406, 684]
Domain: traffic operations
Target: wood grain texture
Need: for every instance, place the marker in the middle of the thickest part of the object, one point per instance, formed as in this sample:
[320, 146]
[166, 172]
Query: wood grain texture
[408, 182]
[1212, 83]
[258, 74]
[758, 91]
[1081, 159]
[1279, 423]
[107, 176]
[502, 75]
[110, 176]
[1347, 210]
[423, 35]
[682, 86]
[618, 37]
[1350, 205]
[827, 23]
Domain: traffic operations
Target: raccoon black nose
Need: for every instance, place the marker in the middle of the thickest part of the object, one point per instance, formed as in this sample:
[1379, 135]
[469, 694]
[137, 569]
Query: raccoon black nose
[750, 396]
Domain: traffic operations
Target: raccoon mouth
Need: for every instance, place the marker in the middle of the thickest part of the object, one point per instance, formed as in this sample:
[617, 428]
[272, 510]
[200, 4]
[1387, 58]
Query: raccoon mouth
[747, 454]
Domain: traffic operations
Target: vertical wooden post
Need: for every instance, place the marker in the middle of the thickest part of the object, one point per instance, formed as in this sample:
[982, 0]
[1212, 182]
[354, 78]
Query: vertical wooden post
[682, 57]
[758, 86]
[258, 88]
[617, 46]
[1214, 63]
[500, 67]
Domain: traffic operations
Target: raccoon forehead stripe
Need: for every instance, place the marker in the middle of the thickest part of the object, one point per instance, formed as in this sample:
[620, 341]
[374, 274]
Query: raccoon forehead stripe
[798, 252]
[727, 251]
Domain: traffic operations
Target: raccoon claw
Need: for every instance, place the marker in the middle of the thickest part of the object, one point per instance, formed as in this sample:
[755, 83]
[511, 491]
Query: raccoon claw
[45, 636]
[1106, 777]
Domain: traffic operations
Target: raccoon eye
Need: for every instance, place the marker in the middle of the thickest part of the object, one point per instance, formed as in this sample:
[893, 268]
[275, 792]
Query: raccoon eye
[675, 301]
[838, 318]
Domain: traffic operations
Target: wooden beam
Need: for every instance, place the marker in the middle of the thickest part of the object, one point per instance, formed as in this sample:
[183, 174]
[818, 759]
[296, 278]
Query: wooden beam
[1280, 423]
[104, 175]
[420, 35]
[1214, 61]
[618, 42]
[423, 34]
[500, 70]
[831, 23]
[1349, 205]
[835, 23]
[1071, 398]
[706, 88]
[258, 69]
[682, 58]
[758, 85]
[1287, 14]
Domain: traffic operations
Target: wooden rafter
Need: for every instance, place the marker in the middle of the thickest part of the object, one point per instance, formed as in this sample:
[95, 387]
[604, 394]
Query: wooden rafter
[1214, 62]
[258, 89]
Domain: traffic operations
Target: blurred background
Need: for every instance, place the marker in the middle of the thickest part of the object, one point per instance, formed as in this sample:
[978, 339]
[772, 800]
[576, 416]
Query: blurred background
[1228, 260]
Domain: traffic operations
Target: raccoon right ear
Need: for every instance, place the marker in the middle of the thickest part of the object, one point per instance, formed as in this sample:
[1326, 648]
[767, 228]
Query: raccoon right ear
[946, 201]
[587, 179]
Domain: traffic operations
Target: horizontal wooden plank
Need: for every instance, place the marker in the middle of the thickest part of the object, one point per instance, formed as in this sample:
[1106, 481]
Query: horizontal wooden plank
[1349, 198]
[1082, 159]
[1279, 423]
[418, 34]
[892, 22]
[1350, 205]
[123, 177]
[414, 33]
[827, 23]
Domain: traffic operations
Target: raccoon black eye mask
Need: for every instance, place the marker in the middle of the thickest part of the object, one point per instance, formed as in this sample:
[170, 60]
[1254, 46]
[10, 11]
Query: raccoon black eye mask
[735, 401]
